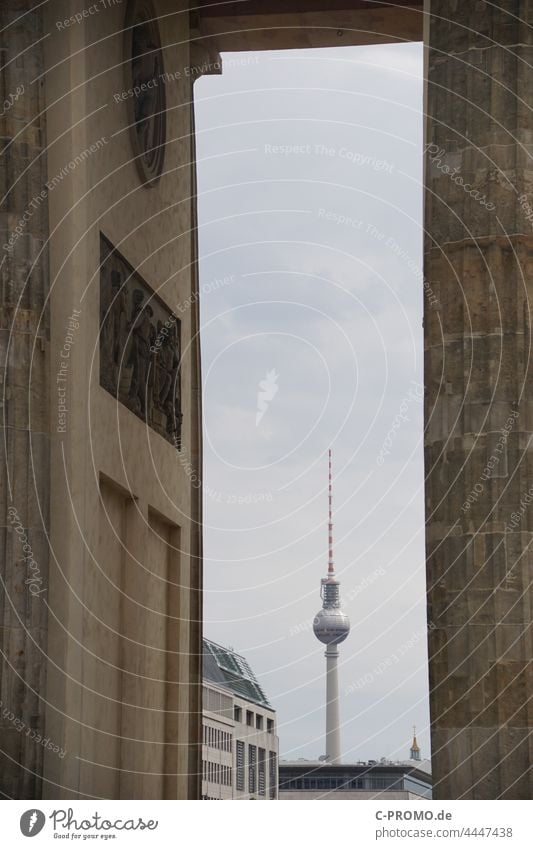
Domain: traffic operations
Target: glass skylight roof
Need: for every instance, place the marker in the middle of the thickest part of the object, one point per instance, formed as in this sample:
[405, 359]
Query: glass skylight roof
[235, 673]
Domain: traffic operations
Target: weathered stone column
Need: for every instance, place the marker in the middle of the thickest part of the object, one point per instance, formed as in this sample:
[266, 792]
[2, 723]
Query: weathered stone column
[196, 542]
[24, 339]
[479, 406]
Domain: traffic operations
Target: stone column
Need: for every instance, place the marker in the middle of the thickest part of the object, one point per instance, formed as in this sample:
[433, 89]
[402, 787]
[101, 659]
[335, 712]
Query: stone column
[478, 293]
[196, 541]
[24, 392]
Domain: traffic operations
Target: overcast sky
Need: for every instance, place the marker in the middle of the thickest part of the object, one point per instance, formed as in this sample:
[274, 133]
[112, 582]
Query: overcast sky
[310, 219]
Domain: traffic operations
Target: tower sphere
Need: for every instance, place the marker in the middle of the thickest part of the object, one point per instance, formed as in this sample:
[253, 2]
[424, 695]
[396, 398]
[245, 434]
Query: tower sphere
[331, 625]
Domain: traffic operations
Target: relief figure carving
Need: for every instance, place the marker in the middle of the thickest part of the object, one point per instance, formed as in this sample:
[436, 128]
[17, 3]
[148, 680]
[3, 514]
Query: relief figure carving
[140, 346]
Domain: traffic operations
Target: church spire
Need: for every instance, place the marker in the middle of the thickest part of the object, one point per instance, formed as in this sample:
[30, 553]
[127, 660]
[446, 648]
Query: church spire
[415, 748]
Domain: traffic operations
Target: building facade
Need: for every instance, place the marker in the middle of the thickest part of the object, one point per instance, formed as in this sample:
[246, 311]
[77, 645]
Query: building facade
[383, 779]
[101, 612]
[240, 746]
[305, 780]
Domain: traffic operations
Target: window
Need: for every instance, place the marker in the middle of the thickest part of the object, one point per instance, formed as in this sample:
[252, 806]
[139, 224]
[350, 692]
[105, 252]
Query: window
[262, 777]
[239, 762]
[272, 775]
[252, 768]
[270, 726]
[258, 721]
[237, 714]
[249, 718]
[413, 784]
[379, 783]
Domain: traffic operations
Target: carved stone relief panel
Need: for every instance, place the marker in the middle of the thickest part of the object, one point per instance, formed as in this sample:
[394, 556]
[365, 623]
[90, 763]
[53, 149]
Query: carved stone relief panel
[145, 83]
[140, 346]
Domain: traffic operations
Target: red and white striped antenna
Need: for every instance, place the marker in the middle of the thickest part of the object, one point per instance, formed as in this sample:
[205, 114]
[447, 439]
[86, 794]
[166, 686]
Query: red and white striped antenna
[331, 568]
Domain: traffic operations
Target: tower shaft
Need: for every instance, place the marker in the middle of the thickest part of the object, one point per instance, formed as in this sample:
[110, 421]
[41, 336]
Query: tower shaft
[333, 717]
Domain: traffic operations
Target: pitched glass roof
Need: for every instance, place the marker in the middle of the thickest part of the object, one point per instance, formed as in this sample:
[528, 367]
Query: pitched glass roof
[226, 667]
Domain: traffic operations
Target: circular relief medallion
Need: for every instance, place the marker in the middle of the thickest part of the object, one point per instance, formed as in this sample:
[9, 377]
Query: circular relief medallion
[145, 78]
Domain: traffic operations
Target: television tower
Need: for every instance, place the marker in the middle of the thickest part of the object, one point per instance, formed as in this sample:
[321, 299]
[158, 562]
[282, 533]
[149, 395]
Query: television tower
[331, 626]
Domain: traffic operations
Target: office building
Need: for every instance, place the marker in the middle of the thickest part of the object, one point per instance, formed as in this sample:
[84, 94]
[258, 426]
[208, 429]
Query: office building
[240, 743]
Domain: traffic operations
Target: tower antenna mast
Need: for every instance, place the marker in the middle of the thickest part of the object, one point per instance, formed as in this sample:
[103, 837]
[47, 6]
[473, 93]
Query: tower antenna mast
[331, 568]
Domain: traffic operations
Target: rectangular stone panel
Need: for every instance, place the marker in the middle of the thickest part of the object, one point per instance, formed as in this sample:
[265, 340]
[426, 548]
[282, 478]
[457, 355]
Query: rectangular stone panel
[140, 346]
[101, 672]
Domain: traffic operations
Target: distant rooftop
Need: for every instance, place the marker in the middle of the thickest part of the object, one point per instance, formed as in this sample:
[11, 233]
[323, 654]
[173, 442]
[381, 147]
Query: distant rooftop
[423, 766]
[231, 670]
[381, 777]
